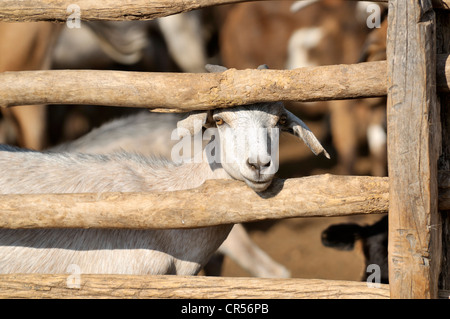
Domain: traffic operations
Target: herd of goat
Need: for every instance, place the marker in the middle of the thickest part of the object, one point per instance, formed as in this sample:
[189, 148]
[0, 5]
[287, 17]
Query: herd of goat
[133, 153]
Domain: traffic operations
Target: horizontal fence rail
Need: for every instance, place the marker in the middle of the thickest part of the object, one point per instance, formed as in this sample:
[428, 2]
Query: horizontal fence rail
[216, 202]
[198, 287]
[131, 286]
[91, 10]
[188, 91]
[57, 10]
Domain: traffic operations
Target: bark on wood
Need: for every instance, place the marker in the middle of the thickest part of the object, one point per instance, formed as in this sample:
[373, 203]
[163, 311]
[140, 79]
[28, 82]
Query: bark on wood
[413, 147]
[185, 92]
[129, 286]
[57, 10]
[214, 203]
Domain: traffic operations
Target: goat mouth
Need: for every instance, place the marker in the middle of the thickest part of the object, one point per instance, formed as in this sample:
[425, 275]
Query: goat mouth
[258, 186]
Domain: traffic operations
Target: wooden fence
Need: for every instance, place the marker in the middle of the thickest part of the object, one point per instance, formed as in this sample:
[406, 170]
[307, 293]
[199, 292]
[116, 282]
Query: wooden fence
[415, 79]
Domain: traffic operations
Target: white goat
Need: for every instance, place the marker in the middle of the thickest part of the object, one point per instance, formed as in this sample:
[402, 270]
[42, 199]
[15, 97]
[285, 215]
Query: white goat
[174, 251]
[145, 133]
[128, 42]
[150, 134]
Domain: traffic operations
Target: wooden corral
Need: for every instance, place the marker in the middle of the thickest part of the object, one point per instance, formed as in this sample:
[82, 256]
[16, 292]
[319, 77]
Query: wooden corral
[415, 79]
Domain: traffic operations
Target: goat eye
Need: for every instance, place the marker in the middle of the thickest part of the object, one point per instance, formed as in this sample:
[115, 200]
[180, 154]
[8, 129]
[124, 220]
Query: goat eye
[282, 120]
[219, 121]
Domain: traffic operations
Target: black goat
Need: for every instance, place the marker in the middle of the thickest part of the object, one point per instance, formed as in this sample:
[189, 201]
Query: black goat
[374, 239]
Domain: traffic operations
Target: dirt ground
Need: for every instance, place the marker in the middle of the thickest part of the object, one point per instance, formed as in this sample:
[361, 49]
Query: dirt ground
[296, 244]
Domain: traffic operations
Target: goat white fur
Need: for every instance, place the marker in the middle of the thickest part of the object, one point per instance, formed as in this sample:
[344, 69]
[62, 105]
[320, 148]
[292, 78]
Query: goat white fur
[150, 134]
[174, 251]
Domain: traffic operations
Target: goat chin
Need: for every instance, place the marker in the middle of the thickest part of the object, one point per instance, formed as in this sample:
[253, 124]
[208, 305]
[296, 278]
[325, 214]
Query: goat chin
[258, 186]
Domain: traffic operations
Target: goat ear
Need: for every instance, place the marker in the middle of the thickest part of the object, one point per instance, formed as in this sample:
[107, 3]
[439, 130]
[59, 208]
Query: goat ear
[296, 126]
[195, 121]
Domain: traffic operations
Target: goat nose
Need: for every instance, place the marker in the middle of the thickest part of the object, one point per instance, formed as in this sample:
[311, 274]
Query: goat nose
[258, 165]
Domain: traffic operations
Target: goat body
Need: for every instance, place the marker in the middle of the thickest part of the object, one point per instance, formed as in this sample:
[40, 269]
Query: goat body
[149, 134]
[181, 252]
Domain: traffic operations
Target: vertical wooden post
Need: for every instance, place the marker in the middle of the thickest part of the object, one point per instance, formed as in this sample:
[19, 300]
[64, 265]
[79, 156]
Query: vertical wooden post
[413, 150]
